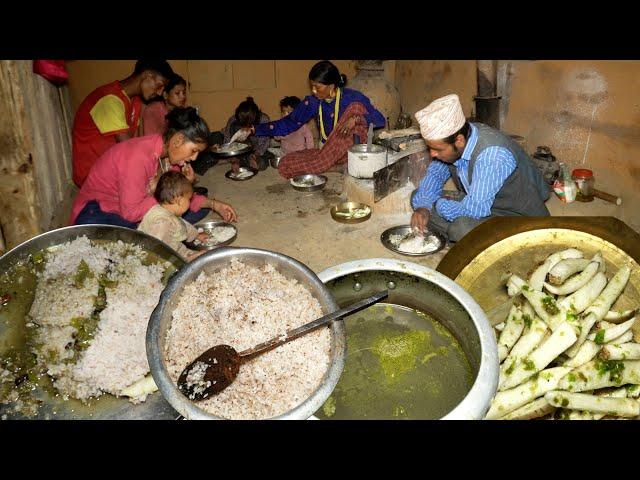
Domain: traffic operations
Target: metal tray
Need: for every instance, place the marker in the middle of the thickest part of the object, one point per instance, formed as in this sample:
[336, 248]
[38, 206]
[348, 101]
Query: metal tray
[347, 207]
[310, 188]
[242, 169]
[480, 260]
[405, 230]
[233, 153]
[209, 226]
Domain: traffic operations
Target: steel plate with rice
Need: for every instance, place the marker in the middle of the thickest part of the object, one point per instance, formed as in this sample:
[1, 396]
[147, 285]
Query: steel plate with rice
[309, 182]
[220, 234]
[403, 240]
[227, 150]
[244, 173]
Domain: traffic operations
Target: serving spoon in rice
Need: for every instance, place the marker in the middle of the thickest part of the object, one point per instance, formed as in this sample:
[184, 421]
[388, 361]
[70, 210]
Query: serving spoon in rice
[218, 367]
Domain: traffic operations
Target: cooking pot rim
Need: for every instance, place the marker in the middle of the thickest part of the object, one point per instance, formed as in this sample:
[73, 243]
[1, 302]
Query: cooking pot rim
[477, 401]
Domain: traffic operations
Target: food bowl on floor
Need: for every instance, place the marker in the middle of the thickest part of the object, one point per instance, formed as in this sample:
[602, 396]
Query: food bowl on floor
[351, 212]
[220, 234]
[40, 258]
[254, 284]
[243, 174]
[308, 183]
[403, 240]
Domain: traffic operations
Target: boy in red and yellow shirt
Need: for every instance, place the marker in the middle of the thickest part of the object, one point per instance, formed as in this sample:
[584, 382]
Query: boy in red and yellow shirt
[111, 113]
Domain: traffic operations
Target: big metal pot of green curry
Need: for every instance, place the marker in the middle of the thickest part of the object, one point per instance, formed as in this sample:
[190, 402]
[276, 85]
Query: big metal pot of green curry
[427, 353]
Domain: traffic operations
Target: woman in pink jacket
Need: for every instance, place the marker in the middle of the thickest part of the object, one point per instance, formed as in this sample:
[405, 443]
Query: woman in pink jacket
[119, 188]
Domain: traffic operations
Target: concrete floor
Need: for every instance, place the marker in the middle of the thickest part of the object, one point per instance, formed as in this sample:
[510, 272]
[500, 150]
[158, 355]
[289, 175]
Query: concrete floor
[274, 216]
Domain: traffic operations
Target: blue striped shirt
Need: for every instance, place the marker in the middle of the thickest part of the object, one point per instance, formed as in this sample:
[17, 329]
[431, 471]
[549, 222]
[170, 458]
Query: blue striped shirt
[492, 168]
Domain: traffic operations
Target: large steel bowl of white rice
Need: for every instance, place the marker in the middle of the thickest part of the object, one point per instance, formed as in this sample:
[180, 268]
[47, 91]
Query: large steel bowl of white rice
[241, 297]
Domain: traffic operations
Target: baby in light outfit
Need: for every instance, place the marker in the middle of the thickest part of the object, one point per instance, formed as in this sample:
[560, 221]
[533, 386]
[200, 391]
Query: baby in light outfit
[163, 221]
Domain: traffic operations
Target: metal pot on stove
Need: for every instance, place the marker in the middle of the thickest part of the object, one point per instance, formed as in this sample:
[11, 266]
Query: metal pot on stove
[363, 161]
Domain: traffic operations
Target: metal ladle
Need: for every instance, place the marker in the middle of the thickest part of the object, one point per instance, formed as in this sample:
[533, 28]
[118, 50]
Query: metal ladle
[218, 367]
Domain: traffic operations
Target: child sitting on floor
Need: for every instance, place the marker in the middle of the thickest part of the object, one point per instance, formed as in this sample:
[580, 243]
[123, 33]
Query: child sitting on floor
[163, 221]
[302, 138]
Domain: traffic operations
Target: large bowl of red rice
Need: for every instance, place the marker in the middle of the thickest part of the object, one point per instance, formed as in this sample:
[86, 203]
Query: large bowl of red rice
[242, 297]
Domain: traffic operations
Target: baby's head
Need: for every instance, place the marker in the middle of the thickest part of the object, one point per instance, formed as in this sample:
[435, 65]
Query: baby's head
[174, 192]
[287, 104]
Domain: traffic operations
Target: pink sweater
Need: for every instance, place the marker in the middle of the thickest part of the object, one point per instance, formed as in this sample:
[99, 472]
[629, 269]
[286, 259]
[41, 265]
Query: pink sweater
[119, 179]
[301, 139]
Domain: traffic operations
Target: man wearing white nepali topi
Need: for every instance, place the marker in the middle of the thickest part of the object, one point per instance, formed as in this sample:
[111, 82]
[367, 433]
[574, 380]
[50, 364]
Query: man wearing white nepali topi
[493, 174]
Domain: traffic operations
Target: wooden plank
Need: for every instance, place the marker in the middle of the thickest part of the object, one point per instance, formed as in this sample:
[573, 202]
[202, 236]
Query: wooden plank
[18, 200]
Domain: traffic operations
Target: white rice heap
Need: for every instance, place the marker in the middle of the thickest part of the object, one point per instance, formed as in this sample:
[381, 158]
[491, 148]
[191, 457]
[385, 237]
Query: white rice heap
[243, 306]
[415, 243]
[116, 356]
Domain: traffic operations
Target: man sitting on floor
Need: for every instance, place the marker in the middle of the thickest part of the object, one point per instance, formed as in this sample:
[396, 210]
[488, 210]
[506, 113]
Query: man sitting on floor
[493, 174]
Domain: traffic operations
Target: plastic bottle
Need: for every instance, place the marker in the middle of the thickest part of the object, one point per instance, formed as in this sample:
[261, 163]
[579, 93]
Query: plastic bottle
[565, 188]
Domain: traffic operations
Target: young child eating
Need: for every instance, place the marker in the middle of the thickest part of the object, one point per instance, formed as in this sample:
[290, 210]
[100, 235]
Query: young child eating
[302, 138]
[163, 221]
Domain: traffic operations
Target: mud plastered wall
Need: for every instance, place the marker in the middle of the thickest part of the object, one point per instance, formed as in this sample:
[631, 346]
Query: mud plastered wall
[588, 112]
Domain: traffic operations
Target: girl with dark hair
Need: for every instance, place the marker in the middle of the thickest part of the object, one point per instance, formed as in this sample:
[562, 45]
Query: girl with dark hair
[340, 112]
[246, 115]
[119, 188]
[154, 115]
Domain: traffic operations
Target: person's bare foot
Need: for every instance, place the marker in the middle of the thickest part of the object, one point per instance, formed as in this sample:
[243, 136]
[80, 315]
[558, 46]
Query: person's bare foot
[235, 166]
[253, 163]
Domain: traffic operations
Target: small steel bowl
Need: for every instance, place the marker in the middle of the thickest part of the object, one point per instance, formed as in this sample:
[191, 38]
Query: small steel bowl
[347, 207]
[306, 178]
[207, 226]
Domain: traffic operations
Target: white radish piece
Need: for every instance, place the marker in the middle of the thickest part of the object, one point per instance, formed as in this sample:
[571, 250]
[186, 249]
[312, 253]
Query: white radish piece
[536, 409]
[598, 374]
[625, 351]
[513, 328]
[622, 339]
[623, 407]
[587, 352]
[142, 387]
[630, 391]
[560, 340]
[506, 402]
[565, 268]
[576, 282]
[544, 305]
[605, 335]
[619, 317]
[536, 279]
[530, 339]
[599, 308]
[500, 326]
[579, 300]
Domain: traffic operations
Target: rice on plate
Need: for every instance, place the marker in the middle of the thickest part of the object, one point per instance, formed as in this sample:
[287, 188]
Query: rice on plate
[242, 306]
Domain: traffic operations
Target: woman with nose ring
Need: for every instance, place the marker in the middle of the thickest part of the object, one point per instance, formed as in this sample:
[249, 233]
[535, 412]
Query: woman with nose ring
[340, 112]
[119, 188]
